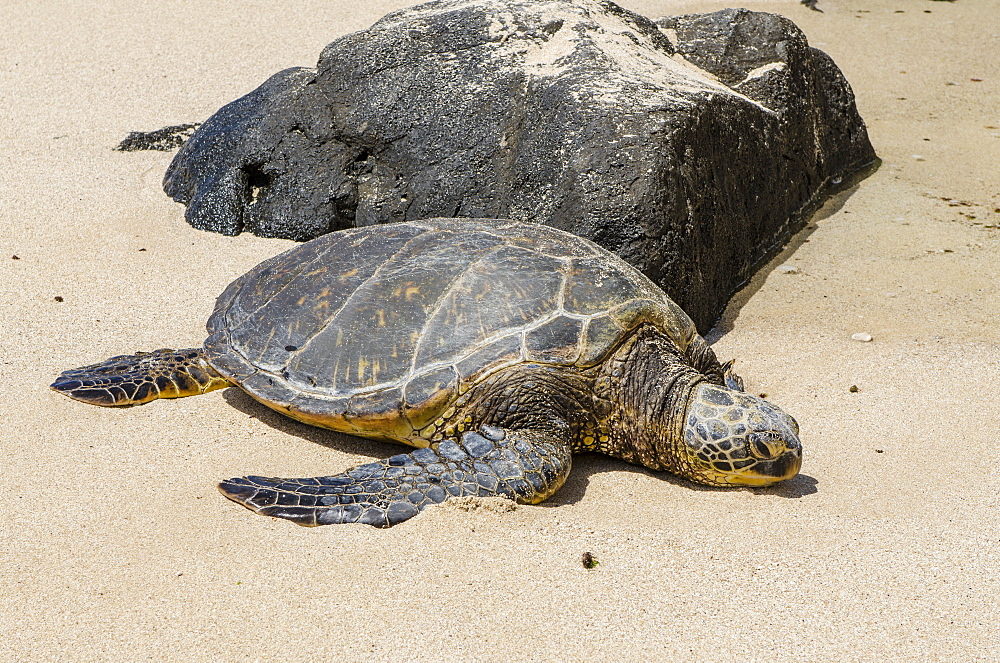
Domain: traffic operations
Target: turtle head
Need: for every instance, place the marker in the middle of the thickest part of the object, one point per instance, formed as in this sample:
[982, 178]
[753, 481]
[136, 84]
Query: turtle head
[735, 439]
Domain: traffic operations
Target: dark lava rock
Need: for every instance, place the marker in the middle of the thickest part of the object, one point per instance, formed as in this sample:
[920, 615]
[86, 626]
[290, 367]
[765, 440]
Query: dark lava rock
[692, 147]
[160, 140]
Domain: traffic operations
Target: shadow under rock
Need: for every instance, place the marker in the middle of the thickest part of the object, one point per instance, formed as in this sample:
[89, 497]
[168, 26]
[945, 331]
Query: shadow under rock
[736, 303]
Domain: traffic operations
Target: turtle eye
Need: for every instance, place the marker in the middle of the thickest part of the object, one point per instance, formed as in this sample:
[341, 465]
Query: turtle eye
[765, 445]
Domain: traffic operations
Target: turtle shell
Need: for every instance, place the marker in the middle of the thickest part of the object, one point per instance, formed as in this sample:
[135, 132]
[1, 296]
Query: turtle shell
[377, 330]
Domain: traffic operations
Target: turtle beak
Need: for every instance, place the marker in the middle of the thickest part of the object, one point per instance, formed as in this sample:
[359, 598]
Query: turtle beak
[779, 457]
[782, 468]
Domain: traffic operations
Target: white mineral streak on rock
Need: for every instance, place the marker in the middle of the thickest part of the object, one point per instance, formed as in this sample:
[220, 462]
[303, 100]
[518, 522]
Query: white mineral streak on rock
[631, 59]
[767, 68]
[677, 57]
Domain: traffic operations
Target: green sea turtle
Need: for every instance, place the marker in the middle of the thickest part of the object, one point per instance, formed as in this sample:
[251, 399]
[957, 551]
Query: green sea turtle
[496, 348]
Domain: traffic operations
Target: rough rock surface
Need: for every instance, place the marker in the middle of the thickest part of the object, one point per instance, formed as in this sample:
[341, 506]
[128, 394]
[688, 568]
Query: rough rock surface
[160, 140]
[691, 146]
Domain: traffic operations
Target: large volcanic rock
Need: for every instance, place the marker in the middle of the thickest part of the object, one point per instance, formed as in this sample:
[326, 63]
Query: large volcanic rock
[691, 147]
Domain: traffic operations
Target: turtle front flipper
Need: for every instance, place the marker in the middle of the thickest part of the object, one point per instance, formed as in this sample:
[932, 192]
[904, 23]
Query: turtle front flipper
[523, 465]
[140, 378]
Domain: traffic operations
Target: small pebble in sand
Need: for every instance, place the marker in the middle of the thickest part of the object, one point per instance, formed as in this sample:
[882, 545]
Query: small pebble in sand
[58, 298]
[919, 157]
[14, 258]
[878, 451]
[853, 389]
[788, 269]
[588, 560]
[861, 337]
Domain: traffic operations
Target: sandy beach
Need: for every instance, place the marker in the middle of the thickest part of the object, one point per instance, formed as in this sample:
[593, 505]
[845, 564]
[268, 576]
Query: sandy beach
[116, 546]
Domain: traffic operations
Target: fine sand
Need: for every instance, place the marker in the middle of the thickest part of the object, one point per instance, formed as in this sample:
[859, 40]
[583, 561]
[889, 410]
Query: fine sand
[115, 545]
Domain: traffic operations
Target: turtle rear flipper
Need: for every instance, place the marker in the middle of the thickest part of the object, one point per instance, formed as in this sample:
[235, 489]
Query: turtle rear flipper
[730, 378]
[524, 465]
[140, 378]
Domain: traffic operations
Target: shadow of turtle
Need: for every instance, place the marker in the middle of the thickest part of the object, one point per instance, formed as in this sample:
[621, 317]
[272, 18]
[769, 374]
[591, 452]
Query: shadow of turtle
[587, 465]
[349, 444]
[798, 486]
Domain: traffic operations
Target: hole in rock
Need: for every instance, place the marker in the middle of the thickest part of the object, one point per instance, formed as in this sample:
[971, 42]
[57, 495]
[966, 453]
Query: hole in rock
[257, 181]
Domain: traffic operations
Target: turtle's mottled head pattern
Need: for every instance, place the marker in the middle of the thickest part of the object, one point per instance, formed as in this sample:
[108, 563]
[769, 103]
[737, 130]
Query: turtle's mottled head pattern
[735, 439]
